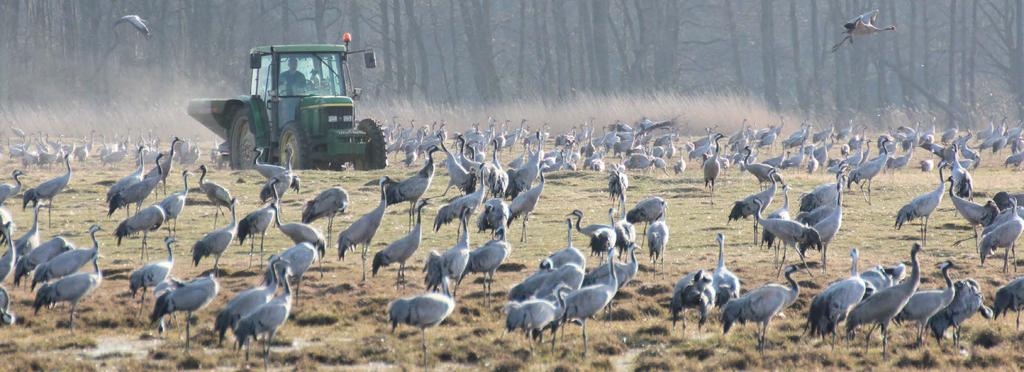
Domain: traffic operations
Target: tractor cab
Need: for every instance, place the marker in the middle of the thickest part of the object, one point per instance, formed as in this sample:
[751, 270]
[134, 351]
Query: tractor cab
[299, 98]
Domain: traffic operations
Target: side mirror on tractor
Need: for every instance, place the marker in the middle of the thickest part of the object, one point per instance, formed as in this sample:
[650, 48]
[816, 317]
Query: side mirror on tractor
[254, 61]
[370, 59]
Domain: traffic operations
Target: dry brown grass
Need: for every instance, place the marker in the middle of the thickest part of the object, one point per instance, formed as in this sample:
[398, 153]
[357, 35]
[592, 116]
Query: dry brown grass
[341, 323]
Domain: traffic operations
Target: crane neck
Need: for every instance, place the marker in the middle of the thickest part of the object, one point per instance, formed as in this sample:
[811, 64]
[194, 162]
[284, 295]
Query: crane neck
[283, 279]
[277, 213]
[202, 175]
[185, 180]
[793, 285]
[568, 234]
[945, 275]
[95, 243]
[170, 253]
[721, 253]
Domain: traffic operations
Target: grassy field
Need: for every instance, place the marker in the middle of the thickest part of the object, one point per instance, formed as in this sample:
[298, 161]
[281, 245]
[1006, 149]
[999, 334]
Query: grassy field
[341, 323]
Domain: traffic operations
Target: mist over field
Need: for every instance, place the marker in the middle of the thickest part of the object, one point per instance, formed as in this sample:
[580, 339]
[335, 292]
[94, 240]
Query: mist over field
[562, 62]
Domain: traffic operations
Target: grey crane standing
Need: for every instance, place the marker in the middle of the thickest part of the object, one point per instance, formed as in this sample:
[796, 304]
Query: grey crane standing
[602, 237]
[494, 216]
[163, 169]
[30, 240]
[647, 211]
[190, 297]
[131, 179]
[584, 303]
[882, 306]
[712, 167]
[618, 183]
[7, 190]
[453, 261]
[422, 311]
[975, 214]
[867, 171]
[967, 301]
[244, 302]
[299, 258]
[48, 191]
[28, 262]
[831, 306]
[725, 284]
[266, 319]
[70, 289]
[762, 172]
[523, 205]
[363, 230]
[657, 240]
[693, 291]
[471, 201]
[67, 263]
[152, 274]
[760, 306]
[1004, 235]
[174, 204]
[278, 185]
[535, 315]
[923, 305]
[402, 249]
[486, 259]
[457, 175]
[216, 194]
[327, 204]
[136, 193]
[922, 207]
[564, 256]
[791, 233]
[256, 222]
[268, 171]
[412, 189]
[746, 207]
[1009, 297]
[148, 219]
[216, 242]
[828, 227]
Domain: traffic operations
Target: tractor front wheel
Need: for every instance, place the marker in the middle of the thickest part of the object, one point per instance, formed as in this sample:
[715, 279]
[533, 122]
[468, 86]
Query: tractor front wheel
[243, 141]
[293, 137]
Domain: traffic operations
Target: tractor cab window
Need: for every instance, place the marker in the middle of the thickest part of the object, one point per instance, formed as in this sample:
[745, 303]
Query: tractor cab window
[305, 74]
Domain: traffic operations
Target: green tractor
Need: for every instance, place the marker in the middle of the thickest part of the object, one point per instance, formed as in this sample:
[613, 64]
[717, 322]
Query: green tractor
[299, 98]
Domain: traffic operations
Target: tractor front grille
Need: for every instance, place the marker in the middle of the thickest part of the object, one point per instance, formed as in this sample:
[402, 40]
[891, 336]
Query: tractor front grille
[338, 117]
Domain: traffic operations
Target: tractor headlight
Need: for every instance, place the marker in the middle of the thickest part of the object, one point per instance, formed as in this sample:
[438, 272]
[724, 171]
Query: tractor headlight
[332, 118]
[347, 118]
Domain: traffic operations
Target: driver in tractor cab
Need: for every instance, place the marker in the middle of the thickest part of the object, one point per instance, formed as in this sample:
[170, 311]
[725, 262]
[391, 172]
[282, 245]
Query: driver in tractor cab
[292, 80]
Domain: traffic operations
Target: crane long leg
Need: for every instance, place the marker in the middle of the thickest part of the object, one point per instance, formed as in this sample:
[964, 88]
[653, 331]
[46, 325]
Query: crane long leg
[585, 337]
[266, 350]
[71, 317]
[522, 237]
[188, 330]
[141, 303]
[262, 238]
[885, 339]
[423, 334]
[366, 246]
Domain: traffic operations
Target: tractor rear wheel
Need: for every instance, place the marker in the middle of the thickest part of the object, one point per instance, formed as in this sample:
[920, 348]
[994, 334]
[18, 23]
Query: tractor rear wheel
[293, 137]
[376, 154]
[243, 141]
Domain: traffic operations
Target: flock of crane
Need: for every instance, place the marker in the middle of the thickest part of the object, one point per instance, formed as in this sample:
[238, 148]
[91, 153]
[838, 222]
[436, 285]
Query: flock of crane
[562, 290]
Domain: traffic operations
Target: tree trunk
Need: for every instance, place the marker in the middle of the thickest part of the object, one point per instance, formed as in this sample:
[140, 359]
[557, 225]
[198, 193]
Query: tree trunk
[734, 46]
[771, 93]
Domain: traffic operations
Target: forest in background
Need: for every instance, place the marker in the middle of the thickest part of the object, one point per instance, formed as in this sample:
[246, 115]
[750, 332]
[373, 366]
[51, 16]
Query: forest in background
[956, 62]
